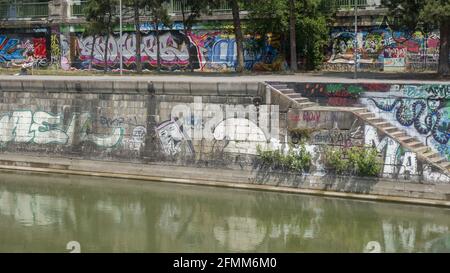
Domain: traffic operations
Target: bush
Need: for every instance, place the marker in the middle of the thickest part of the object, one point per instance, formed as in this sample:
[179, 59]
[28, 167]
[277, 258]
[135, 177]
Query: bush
[361, 161]
[335, 161]
[365, 161]
[298, 160]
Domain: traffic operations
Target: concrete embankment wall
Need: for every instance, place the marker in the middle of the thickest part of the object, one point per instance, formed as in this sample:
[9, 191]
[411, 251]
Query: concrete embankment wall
[195, 125]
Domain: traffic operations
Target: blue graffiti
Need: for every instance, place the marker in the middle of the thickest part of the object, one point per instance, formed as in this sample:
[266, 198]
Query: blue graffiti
[10, 50]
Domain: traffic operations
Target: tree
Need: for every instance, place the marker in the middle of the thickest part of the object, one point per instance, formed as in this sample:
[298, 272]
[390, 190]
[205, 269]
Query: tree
[425, 14]
[238, 35]
[93, 28]
[292, 32]
[191, 10]
[100, 15]
[159, 17]
[135, 9]
[313, 18]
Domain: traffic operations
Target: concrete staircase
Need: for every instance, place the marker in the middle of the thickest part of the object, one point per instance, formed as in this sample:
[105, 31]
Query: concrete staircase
[424, 153]
[290, 93]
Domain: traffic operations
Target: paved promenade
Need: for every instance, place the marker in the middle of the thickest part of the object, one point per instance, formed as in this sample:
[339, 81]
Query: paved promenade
[388, 78]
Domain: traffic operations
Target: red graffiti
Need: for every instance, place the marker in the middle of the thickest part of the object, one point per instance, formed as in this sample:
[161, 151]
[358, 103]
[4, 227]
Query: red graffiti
[39, 47]
[376, 87]
[341, 101]
[311, 116]
[294, 118]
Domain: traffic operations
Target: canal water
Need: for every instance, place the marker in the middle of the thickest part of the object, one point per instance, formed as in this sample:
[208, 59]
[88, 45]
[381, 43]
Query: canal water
[43, 213]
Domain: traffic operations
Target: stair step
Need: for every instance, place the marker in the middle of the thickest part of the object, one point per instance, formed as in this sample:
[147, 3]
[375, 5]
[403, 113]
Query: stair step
[306, 104]
[374, 119]
[415, 144]
[300, 100]
[405, 138]
[294, 95]
[399, 134]
[279, 86]
[360, 110]
[421, 149]
[286, 90]
[367, 114]
[438, 160]
[382, 124]
[389, 129]
[430, 154]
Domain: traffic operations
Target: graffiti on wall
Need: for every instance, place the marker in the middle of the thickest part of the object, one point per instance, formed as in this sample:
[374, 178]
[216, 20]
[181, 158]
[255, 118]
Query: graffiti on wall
[205, 51]
[383, 48]
[15, 49]
[423, 109]
[338, 94]
[47, 128]
[397, 161]
[174, 139]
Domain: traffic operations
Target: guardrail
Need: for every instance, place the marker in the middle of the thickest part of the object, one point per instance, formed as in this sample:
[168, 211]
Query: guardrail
[24, 10]
[350, 4]
[77, 8]
[223, 6]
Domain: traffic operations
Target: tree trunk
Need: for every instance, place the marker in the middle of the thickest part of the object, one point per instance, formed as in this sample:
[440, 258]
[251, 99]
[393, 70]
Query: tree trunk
[239, 36]
[106, 53]
[444, 51]
[158, 51]
[293, 46]
[183, 14]
[94, 38]
[137, 24]
[108, 32]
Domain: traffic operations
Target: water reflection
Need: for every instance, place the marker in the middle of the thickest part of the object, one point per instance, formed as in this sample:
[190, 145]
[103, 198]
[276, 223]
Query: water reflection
[44, 213]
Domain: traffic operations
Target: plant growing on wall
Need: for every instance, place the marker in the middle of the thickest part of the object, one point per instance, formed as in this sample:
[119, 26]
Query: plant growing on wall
[335, 161]
[360, 161]
[297, 160]
[300, 134]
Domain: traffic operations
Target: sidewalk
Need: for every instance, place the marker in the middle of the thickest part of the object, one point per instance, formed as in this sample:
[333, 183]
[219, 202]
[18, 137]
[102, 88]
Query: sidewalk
[323, 77]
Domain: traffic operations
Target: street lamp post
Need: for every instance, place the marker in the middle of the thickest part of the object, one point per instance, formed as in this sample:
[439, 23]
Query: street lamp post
[120, 39]
[355, 50]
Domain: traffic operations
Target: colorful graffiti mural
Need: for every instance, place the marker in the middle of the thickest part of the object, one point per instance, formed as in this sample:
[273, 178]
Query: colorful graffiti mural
[14, 49]
[338, 94]
[382, 48]
[204, 51]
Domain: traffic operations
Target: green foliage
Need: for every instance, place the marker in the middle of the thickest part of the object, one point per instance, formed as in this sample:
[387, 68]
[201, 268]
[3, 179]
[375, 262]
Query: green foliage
[301, 134]
[361, 161]
[335, 161]
[364, 161]
[312, 38]
[313, 18]
[418, 13]
[298, 160]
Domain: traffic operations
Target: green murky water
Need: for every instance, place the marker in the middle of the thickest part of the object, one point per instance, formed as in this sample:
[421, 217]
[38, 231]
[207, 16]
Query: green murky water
[42, 213]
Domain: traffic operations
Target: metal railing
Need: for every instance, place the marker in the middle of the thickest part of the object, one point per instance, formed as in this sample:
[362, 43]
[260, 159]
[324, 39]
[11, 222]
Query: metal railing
[223, 6]
[77, 8]
[350, 4]
[24, 10]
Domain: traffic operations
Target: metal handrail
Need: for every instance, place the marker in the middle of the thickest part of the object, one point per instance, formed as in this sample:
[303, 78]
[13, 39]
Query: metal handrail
[24, 10]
